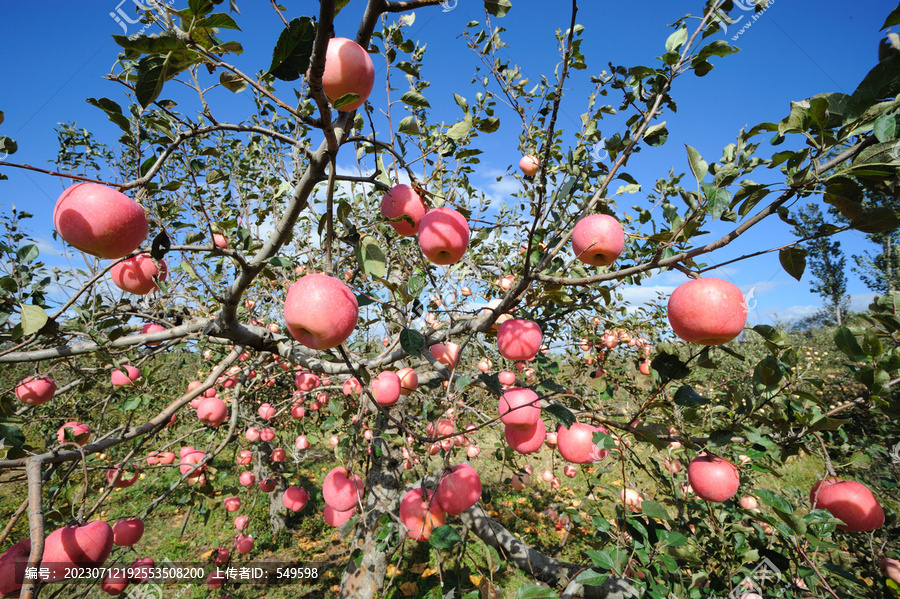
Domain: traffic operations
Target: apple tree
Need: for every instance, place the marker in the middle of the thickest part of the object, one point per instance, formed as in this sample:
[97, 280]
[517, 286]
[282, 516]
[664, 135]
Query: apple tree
[321, 274]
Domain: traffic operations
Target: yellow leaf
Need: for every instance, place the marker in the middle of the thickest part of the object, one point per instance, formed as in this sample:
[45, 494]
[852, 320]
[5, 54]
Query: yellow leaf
[428, 572]
[475, 579]
[410, 589]
[392, 570]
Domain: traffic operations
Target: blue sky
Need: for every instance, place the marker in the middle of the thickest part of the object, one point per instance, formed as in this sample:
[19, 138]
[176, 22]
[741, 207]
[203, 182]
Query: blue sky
[57, 53]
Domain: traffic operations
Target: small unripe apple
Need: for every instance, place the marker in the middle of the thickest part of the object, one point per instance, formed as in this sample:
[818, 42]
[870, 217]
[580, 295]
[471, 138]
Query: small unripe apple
[99, 220]
[598, 239]
[320, 311]
[404, 209]
[348, 70]
[707, 311]
[136, 274]
[748, 503]
[529, 165]
[443, 235]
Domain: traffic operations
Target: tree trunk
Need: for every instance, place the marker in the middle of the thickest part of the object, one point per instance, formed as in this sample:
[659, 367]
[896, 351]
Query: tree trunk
[264, 468]
[364, 576]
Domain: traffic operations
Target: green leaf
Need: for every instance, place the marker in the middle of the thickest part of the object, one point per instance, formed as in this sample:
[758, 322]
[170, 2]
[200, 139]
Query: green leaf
[370, 257]
[152, 74]
[893, 19]
[877, 220]
[415, 99]
[133, 403]
[774, 500]
[415, 286]
[160, 246]
[669, 367]
[444, 537]
[27, 253]
[534, 591]
[232, 82]
[33, 319]
[11, 436]
[562, 414]
[686, 396]
[412, 342]
[846, 342]
[698, 165]
[219, 20]
[656, 135]
[463, 382]
[151, 44]
[651, 509]
[793, 260]
[346, 100]
[601, 559]
[676, 40]
[293, 50]
[488, 125]
[113, 112]
[409, 125]
[498, 8]
[460, 129]
[886, 127]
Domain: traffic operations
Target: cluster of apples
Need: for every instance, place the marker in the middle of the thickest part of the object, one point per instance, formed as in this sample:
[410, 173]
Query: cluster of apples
[86, 545]
[342, 491]
[423, 510]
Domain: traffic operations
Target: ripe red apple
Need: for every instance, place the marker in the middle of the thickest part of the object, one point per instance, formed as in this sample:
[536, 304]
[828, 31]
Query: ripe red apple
[519, 339]
[35, 390]
[386, 388]
[526, 439]
[123, 379]
[243, 543]
[221, 242]
[519, 408]
[142, 569]
[215, 579]
[279, 454]
[335, 518]
[245, 457]
[576, 443]
[505, 377]
[409, 380]
[84, 546]
[301, 442]
[152, 327]
[212, 411]
[306, 381]
[166, 457]
[135, 275]
[352, 386]
[446, 353]
[295, 498]
[459, 489]
[12, 567]
[115, 582]
[267, 434]
[890, 567]
[220, 556]
[713, 478]
[298, 412]
[241, 522]
[117, 477]
[707, 311]
[598, 239]
[78, 433]
[348, 70]
[529, 165]
[266, 411]
[632, 499]
[99, 220]
[341, 489]
[421, 514]
[404, 209]
[189, 461]
[128, 531]
[320, 311]
[443, 235]
[267, 485]
[849, 501]
[252, 434]
[247, 478]
[570, 470]
[232, 504]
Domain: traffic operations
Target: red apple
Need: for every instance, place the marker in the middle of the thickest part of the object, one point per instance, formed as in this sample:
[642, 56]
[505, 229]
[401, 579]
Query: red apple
[446, 353]
[505, 377]
[115, 582]
[116, 477]
[78, 433]
[576, 443]
[247, 478]
[295, 498]
[342, 490]
[135, 275]
[335, 518]
[849, 501]
[386, 388]
[267, 485]
[320, 311]
[713, 478]
[166, 457]
[519, 408]
[152, 327]
[598, 239]
[189, 461]
[123, 379]
[232, 504]
[459, 489]
[215, 579]
[443, 235]
[707, 311]
[890, 567]
[212, 411]
[241, 522]
[632, 499]
[266, 411]
[220, 242]
[267, 434]
[243, 543]
[570, 470]
[301, 442]
[348, 70]
[245, 457]
[12, 567]
[519, 339]
[128, 531]
[748, 503]
[529, 165]
[409, 380]
[526, 439]
[142, 569]
[220, 556]
[99, 220]
[352, 386]
[421, 514]
[298, 412]
[404, 209]
[252, 434]
[306, 381]
[279, 454]
[84, 546]
[35, 390]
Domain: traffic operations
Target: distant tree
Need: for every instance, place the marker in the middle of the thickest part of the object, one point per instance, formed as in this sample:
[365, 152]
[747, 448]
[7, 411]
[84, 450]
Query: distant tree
[826, 261]
[880, 272]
